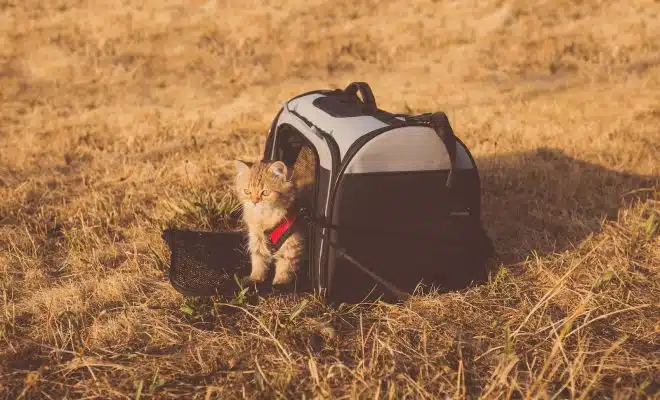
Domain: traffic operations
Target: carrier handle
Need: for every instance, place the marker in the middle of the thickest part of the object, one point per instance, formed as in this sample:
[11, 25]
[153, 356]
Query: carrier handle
[367, 95]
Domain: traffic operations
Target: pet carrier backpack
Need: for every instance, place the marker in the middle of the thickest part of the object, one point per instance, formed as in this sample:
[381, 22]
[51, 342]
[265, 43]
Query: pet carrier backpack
[397, 202]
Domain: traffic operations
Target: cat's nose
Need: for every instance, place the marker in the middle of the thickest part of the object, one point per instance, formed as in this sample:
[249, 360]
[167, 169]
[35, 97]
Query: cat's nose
[255, 199]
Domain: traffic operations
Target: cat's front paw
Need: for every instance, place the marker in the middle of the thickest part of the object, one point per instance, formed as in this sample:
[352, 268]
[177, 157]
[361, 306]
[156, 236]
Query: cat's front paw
[283, 278]
[257, 277]
[259, 269]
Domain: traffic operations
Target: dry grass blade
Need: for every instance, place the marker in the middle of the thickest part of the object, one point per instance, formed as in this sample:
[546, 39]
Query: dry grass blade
[556, 289]
[279, 345]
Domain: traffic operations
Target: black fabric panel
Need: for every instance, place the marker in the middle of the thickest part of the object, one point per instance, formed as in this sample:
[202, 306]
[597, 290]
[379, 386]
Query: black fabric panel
[400, 199]
[448, 262]
[401, 226]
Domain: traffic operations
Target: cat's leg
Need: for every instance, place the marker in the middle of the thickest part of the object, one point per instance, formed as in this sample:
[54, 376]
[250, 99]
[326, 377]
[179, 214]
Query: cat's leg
[287, 259]
[259, 268]
[260, 258]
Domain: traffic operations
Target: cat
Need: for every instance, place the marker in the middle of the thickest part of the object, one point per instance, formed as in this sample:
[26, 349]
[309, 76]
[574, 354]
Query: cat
[270, 193]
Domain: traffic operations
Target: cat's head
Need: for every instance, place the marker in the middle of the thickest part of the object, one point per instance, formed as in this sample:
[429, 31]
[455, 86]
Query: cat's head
[264, 185]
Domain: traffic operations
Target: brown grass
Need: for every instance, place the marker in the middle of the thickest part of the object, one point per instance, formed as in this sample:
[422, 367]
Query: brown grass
[117, 119]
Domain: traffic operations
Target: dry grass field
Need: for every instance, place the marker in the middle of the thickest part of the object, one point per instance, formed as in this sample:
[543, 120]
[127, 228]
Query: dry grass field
[120, 117]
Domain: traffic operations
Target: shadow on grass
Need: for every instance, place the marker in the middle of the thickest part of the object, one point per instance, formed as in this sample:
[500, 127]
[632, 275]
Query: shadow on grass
[547, 201]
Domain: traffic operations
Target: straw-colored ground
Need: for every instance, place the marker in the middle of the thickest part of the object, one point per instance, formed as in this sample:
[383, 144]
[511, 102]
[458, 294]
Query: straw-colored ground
[117, 117]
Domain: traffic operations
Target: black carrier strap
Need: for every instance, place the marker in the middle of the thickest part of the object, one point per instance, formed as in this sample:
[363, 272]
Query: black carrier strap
[440, 124]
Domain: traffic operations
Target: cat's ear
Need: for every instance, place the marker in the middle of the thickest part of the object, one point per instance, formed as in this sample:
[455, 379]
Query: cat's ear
[279, 169]
[241, 167]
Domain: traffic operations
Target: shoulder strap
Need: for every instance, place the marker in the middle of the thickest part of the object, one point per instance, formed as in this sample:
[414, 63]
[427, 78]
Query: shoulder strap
[440, 124]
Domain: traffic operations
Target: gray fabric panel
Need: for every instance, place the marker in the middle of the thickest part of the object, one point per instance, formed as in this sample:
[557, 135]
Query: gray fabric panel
[412, 148]
[325, 158]
[345, 131]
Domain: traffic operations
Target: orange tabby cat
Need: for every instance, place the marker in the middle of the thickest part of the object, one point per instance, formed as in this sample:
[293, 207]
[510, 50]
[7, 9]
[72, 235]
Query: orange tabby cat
[269, 193]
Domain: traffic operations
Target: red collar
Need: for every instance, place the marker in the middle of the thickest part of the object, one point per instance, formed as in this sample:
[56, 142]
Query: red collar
[278, 234]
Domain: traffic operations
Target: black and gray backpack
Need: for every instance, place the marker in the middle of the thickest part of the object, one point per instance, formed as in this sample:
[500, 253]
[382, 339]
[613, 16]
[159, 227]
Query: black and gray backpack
[397, 204]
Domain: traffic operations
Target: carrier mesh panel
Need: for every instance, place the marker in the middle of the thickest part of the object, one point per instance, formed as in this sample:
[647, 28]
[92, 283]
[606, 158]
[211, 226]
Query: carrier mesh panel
[204, 263]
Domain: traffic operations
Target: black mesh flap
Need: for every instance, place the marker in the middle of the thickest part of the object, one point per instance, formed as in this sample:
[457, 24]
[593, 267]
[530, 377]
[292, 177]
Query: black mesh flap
[204, 263]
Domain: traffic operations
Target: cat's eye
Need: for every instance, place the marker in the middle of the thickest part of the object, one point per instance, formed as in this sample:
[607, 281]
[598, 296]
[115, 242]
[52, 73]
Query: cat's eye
[246, 191]
[265, 192]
